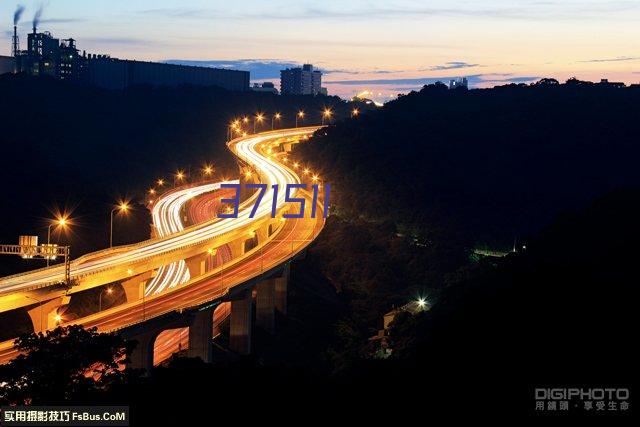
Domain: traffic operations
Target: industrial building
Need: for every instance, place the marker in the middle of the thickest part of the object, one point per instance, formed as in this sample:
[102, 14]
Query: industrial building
[301, 81]
[60, 59]
[7, 64]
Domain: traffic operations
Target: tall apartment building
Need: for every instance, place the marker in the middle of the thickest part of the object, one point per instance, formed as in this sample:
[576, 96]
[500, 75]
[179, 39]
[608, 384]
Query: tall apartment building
[300, 81]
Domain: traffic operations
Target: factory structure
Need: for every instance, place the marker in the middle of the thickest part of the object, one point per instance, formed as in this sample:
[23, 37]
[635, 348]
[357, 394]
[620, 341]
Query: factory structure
[61, 59]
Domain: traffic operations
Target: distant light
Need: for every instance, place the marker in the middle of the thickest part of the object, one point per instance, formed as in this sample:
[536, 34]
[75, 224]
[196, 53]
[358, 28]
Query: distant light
[129, 271]
[58, 318]
[422, 303]
[277, 116]
[180, 175]
[301, 114]
[306, 171]
[152, 191]
[160, 182]
[123, 206]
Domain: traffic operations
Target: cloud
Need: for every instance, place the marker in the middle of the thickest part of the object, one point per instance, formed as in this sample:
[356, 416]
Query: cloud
[454, 65]
[474, 80]
[529, 10]
[259, 68]
[617, 59]
[122, 41]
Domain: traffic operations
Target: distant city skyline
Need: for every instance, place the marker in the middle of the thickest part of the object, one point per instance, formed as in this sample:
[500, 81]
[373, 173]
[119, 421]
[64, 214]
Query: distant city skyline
[385, 47]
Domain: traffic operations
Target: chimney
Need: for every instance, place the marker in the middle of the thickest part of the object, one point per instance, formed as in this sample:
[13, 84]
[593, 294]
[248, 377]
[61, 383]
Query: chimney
[16, 46]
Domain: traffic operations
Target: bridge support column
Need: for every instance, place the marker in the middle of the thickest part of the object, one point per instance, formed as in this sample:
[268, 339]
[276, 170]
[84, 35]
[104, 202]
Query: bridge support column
[241, 323]
[142, 355]
[265, 305]
[237, 248]
[200, 335]
[281, 289]
[43, 315]
[134, 287]
[263, 233]
[197, 265]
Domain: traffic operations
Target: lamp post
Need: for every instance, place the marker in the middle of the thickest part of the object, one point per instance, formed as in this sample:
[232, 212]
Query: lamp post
[257, 119]
[179, 176]
[62, 222]
[122, 207]
[276, 116]
[207, 170]
[109, 291]
[300, 116]
[326, 114]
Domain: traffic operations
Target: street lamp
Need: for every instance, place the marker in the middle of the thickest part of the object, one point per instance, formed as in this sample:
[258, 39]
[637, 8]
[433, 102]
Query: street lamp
[179, 176]
[207, 170]
[257, 119]
[109, 291]
[122, 207]
[276, 116]
[62, 222]
[300, 116]
[326, 114]
[160, 182]
[355, 112]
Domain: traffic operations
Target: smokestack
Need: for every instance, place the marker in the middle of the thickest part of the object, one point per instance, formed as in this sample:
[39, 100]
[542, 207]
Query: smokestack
[15, 46]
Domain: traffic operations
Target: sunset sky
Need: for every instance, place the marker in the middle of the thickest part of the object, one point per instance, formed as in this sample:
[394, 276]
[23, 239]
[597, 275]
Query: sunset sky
[384, 46]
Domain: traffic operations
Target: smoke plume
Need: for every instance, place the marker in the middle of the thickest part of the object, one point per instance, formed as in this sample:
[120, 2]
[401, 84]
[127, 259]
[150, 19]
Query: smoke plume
[17, 14]
[36, 17]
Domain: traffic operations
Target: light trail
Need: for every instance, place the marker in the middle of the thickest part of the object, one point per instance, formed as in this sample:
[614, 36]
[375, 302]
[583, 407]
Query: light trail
[271, 173]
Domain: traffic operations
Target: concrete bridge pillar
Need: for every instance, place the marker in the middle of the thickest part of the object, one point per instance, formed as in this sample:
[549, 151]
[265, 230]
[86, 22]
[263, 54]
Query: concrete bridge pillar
[263, 233]
[197, 265]
[134, 287]
[281, 289]
[241, 323]
[43, 315]
[237, 248]
[265, 305]
[142, 355]
[200, 335]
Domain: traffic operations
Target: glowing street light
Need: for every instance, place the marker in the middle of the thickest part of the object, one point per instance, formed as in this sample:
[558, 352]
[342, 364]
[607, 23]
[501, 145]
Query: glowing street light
[355, 112]
[422, 303]
[257, 119]
[207, 170]
[276, 116]
[300, 116]
[315, 178]
[160, 182]
[61, 221]
[306, 171]
[123, 207]
[152, 191]
[178, 177]
[109, 291]
[326, 114]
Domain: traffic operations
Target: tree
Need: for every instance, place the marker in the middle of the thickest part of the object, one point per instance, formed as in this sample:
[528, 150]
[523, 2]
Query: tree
[64, 364]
